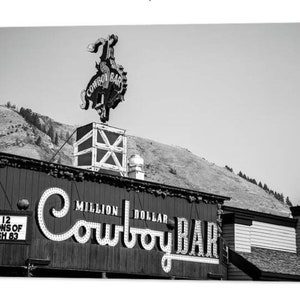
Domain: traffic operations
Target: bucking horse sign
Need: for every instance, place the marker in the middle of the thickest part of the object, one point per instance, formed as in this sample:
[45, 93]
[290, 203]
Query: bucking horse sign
[107, 87]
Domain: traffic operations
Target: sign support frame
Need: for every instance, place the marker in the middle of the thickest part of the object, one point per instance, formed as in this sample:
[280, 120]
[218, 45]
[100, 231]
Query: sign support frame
[120, 166]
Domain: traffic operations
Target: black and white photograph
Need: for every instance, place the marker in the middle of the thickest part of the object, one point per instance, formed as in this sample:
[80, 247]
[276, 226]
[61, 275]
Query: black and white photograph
[150, 151]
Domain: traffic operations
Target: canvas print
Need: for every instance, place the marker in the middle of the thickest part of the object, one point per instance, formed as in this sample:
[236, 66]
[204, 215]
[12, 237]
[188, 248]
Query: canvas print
[150, 152]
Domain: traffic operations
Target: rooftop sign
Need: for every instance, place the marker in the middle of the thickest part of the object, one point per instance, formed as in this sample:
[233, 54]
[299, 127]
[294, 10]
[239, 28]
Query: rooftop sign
[107, 87]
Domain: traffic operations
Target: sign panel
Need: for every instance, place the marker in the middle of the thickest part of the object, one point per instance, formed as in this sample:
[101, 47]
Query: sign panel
[195, 245]
[91, 222]
[13, 228]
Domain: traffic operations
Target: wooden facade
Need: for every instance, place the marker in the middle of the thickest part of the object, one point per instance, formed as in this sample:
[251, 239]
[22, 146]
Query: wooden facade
[93, 198]
[261, 246]
[296, 214]
[245, 229]
[235, 273]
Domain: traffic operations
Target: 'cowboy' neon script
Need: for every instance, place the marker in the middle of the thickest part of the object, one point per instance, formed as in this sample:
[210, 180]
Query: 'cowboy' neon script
[190, 246]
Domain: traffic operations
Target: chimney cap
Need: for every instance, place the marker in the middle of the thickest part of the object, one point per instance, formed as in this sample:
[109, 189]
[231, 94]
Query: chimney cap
[135, 160]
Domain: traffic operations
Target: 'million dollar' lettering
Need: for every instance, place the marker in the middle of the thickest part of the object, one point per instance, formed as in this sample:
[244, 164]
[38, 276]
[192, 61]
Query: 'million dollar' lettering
[109, 210]
[148, 238]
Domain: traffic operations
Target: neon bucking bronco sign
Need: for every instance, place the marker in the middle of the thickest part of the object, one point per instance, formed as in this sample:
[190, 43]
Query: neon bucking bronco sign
[107, 87]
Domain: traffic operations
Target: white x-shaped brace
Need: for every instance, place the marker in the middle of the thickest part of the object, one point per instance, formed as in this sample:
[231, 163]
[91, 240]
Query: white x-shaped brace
[111, 149]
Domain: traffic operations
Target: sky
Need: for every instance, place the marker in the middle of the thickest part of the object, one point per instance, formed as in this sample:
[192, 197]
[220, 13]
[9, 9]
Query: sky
[228, 86]
[228, 93]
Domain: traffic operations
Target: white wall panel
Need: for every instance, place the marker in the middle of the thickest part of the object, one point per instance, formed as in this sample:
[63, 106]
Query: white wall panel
[275, 237]
[242, 235]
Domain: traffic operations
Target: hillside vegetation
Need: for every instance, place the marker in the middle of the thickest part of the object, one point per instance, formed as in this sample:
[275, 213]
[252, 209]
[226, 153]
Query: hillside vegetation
[164, 164]
[20, 137]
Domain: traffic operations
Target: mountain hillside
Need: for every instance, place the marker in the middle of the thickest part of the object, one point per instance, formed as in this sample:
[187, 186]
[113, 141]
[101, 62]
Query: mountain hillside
[179, 167]
[19, 137]
[164, 164]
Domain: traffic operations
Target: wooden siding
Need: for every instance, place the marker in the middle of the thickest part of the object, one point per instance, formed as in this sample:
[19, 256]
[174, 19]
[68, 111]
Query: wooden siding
[275, 237]
[29, 184]
[228, 234]
[242, 236]
[238, 237]
[235, 273]
[298, 236]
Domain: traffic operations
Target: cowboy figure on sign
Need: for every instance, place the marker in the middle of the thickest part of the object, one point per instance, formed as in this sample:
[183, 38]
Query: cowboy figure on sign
[107, 87]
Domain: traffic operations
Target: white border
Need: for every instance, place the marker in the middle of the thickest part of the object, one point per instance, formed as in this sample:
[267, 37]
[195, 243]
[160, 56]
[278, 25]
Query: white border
[132, 12]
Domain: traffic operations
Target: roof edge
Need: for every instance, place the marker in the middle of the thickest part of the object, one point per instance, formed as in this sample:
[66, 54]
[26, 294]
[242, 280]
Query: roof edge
[267, 276]
[78, 174]
[244, 265]
[260, 217]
